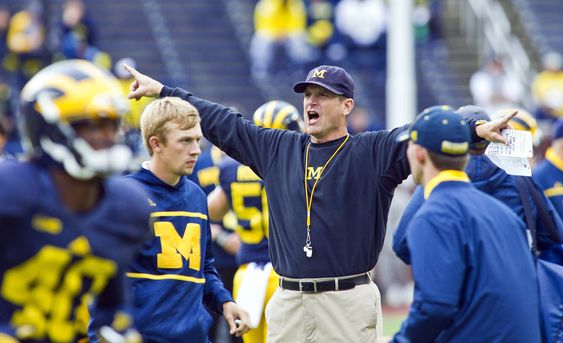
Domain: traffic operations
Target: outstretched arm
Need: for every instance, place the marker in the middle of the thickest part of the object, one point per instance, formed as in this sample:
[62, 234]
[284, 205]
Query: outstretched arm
[247, 143]
[143, 85]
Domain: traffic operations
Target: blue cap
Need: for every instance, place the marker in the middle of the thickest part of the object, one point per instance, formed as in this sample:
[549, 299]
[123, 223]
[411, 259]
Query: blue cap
[473, 112]
[436, 107]
[558, 129]
[335, 79]
[477, 113]
[441, 131]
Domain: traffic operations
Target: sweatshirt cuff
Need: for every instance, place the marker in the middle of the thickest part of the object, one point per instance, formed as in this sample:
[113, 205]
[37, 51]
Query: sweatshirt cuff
[165, 91]
[221, 299]
[177, 92]
[473, 123]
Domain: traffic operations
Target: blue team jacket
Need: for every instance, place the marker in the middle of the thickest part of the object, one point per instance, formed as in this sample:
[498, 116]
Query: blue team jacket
[488, 178]
[474, 274]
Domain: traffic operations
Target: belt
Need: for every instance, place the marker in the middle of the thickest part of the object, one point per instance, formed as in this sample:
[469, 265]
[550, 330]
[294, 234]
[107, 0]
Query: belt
[336, 284]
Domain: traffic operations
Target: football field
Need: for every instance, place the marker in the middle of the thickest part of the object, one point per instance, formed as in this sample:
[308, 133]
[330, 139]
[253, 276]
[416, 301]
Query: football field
[392, 319]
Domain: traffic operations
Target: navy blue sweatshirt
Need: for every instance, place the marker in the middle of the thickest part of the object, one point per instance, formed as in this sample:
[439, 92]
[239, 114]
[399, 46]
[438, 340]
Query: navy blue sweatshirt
[174, 275]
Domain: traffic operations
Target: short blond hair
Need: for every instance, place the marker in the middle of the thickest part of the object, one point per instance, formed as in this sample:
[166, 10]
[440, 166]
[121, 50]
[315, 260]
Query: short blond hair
[159, 114]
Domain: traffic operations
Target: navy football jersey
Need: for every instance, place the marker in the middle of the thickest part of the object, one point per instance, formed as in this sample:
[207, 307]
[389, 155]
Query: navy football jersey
[247, 197]
[206, 172]
[549, 176]
[54, 261]
[173, 275]
[206, 176]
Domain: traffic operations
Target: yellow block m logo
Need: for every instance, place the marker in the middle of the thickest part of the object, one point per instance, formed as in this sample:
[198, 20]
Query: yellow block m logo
[175, 247]
[313, 173]
[319, 73]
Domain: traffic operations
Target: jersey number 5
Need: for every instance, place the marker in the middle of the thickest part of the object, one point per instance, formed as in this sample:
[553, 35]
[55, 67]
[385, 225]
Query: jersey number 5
[257, 220]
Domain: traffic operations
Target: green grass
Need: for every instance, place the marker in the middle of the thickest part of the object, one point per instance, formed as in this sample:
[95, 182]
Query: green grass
[392, 321]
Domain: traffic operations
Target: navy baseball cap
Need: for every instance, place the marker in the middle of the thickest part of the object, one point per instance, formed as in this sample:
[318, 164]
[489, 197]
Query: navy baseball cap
[473, 112]
[441, 131]
[335, 79]
[477, 113]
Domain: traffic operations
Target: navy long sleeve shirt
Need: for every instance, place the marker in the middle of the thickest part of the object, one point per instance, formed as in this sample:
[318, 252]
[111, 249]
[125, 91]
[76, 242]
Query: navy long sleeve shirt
[350, 203]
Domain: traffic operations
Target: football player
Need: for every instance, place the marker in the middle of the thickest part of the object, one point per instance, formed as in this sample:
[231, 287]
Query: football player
[174, 275]
[69, 229]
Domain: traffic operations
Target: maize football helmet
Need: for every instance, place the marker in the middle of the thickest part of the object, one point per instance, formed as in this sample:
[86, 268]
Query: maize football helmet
[66, 93]
[277, 114]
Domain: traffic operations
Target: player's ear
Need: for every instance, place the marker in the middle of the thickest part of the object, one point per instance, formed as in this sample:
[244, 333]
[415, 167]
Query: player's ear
[420, 154]
[155, 144]
[348, 106]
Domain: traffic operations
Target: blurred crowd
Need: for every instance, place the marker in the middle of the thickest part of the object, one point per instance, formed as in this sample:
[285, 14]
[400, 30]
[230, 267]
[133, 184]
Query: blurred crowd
[493, 88]
[291, 34]
[316, 32]
[30, 40]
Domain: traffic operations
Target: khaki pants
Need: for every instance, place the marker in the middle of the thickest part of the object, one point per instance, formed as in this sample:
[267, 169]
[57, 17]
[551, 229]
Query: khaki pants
[342, 316]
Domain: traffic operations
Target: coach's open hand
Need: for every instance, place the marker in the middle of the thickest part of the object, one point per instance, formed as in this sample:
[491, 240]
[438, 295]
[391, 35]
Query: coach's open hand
[232, 312]
[143, 85]
[491, 130]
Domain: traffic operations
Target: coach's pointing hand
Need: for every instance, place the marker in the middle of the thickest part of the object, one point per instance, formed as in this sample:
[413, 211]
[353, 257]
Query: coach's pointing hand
[491, 130]
[143, 85]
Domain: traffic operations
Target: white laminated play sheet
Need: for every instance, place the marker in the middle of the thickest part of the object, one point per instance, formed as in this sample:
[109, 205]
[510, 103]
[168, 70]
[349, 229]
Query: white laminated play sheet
[513, 157]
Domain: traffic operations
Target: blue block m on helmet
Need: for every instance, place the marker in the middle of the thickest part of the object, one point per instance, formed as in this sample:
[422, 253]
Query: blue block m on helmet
[62, 96]
[277, 114]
